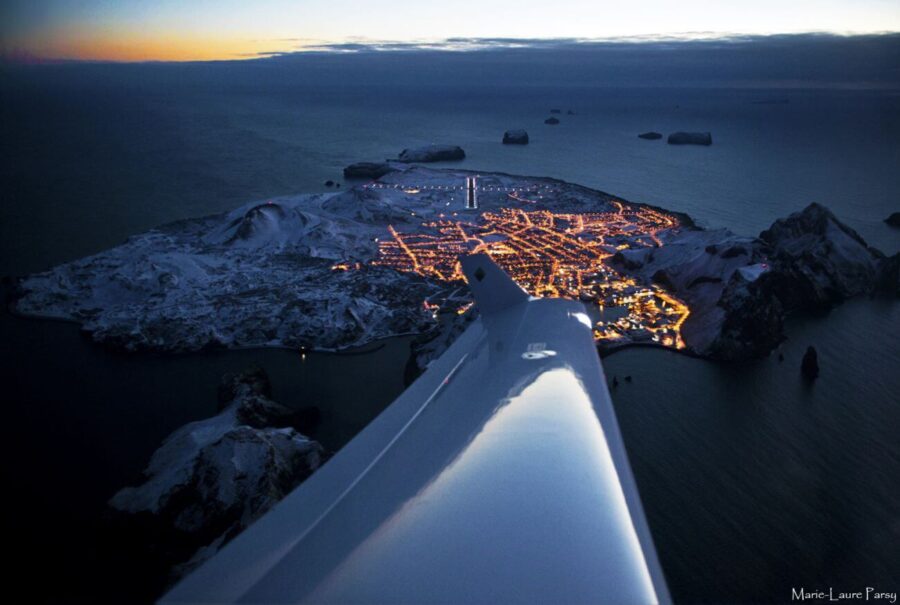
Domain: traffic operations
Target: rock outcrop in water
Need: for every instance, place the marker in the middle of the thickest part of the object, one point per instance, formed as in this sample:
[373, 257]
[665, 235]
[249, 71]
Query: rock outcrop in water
[212, 478]
[650, 136]
[552, 121]
[809, 366]
[515, 137]
[368, 170]
[893, 220]
[432, 153]
[690, 138]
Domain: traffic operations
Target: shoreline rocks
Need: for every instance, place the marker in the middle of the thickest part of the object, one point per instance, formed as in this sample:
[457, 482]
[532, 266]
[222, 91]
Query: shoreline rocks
[690, 138]
[432, 153]
[515, 137]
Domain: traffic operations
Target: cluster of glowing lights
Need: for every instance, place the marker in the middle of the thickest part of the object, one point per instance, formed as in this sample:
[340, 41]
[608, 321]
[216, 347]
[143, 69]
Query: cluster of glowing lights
[553, 255]
[345, 266]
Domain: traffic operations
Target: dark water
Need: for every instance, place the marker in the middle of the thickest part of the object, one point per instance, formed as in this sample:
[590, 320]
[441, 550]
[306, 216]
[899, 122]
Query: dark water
[753, 482]
[80, 422]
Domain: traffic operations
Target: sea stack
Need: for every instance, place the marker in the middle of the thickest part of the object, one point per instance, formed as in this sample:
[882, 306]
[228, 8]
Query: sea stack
[515, 137]
[809, 367]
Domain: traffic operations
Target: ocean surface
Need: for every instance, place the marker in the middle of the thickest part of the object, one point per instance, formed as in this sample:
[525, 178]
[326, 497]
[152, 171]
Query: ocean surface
[753, 481]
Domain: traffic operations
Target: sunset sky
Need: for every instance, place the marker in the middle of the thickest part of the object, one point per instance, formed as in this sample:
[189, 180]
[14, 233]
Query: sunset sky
[179, 30]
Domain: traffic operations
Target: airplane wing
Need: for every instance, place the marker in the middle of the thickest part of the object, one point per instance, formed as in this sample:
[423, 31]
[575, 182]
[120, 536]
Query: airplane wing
[499, 476]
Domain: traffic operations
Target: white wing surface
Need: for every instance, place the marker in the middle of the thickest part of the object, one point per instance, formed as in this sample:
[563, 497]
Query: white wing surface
[499, 476]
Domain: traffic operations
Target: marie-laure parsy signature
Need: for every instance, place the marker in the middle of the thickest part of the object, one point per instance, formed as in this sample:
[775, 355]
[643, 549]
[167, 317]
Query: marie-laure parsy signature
[831, 595]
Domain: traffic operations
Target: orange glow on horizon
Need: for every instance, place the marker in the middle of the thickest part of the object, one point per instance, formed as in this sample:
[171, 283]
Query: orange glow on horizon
[138, 30]
[145, 46]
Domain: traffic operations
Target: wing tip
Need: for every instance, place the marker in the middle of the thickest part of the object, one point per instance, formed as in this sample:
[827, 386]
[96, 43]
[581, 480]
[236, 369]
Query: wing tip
[491, 286]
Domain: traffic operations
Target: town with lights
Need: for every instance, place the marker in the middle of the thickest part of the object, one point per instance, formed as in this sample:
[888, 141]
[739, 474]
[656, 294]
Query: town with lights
[548, 253]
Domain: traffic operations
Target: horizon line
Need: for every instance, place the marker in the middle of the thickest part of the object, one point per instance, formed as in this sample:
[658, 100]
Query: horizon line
[357, 45]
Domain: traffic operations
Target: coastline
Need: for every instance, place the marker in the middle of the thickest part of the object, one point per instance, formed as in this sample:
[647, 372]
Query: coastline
[279, 273]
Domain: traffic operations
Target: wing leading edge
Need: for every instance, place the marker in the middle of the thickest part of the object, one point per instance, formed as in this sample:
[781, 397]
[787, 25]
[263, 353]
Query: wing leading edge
[499, 476]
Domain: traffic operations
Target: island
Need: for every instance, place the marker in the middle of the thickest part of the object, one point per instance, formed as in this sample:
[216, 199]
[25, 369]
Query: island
[515, 137]
[432, 153]
[368, 170]
[340, 269]
[212, 478]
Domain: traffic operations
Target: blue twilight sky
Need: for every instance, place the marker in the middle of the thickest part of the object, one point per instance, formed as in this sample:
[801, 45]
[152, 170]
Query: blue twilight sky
[210, 29]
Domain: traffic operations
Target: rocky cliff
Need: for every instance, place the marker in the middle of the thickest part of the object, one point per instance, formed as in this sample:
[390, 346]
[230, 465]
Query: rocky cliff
[817, 261]
[741, 289]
